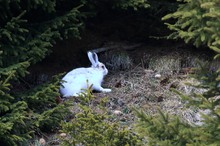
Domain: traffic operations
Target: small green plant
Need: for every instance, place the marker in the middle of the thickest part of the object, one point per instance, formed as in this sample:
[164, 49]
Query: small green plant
[165, 130]
[91, 126]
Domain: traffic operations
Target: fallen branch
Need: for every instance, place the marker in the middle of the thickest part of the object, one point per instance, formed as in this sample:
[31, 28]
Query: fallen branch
[123, 47]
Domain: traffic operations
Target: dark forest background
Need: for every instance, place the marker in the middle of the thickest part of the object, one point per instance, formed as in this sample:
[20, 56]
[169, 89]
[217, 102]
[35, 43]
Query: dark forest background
[54, 35]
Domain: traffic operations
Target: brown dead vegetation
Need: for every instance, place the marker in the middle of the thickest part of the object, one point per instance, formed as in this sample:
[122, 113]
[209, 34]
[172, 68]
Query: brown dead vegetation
[145, 84]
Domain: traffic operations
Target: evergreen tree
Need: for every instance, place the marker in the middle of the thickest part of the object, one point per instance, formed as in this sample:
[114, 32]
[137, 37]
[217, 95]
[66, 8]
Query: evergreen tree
[28, 30]
[197, 22]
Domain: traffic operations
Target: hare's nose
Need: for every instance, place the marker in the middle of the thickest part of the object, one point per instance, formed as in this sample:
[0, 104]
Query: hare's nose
[106, 71]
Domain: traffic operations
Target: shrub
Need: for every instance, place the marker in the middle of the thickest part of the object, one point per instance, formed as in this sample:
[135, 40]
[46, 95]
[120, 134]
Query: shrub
[91, 126]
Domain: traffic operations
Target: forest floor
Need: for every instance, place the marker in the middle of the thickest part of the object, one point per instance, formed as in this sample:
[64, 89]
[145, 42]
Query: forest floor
[146, 84]
[146, 81]
[140, 77]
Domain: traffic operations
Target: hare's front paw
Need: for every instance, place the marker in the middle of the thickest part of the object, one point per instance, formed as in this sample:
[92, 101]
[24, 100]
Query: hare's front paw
[107, 90]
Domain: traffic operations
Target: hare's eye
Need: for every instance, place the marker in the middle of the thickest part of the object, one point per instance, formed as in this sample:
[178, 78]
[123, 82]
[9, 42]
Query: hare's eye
[103, 67]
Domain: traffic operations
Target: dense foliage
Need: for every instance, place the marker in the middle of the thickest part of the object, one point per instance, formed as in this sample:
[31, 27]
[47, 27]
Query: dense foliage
[28, 29]
[197, 22]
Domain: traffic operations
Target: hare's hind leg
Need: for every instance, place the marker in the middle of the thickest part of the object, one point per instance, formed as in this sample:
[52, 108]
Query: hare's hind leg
[68, 90]
[100, 88]
[106, 90]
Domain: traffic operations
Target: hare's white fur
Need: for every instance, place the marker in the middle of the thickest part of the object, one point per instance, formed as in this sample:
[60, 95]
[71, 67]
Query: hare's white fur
[81, 78]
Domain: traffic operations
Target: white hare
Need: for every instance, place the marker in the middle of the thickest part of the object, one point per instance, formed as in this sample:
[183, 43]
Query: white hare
[82, 78]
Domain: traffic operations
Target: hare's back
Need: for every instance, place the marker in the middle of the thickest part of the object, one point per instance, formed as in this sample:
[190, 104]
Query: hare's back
[77, 71]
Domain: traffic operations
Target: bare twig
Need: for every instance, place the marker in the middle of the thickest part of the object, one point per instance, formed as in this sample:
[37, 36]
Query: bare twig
[123, 47]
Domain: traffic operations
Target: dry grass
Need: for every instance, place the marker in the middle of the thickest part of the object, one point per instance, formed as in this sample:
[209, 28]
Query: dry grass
[165, 64]
[117, 60]
[138, 87]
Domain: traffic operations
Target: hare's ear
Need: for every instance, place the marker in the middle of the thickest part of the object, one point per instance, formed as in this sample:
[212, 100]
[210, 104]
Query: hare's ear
[93, 57]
